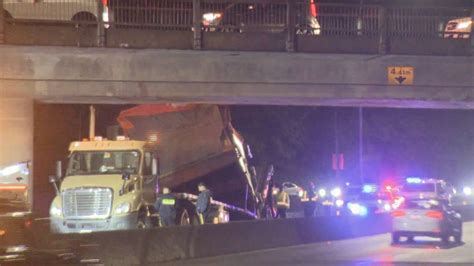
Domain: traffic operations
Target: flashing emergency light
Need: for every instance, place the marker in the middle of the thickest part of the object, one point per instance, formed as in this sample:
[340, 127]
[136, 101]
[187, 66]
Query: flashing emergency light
[322, 193]
[467, 191]
[336, 192]
[369, 188]
[357, 209]
[387, 207]
[414, 180]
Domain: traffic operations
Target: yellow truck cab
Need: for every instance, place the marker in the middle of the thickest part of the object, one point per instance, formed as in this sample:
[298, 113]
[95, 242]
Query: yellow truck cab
[108, 185]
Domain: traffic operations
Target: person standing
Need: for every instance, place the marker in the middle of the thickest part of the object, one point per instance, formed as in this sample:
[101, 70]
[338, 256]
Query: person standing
[166, 207]
[282, 201]
[203, 203]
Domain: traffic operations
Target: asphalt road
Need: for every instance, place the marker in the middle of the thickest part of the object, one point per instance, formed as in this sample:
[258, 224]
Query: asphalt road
[373, 250]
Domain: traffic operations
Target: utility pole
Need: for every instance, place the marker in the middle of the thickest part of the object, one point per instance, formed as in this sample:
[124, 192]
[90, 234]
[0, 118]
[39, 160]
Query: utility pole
[336, 143]
[361, 145]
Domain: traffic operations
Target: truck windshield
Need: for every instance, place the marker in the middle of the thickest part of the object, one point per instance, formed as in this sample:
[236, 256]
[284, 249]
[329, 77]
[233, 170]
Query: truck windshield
[103, 162]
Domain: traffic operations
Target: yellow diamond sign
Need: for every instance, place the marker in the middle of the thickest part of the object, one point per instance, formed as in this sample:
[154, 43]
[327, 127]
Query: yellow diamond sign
[400, 75]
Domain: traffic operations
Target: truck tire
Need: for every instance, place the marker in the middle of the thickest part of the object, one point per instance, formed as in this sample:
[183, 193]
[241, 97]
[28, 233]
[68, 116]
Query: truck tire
[458, 236]
[143, 220]
[186, 214]
[445, 239]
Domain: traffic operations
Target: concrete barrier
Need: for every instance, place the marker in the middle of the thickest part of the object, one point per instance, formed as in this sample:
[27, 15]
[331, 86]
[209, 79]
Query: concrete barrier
[138, 247]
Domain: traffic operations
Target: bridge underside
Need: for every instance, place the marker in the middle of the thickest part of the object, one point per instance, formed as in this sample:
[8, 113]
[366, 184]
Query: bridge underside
[116, 76]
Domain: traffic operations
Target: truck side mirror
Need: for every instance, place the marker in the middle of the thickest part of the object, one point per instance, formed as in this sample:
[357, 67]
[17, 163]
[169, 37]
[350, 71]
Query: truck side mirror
[154, 167]
[59, 170]
[53, 180]
[125, 176]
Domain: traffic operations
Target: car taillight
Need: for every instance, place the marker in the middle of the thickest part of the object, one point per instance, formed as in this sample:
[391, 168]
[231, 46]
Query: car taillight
[398, 213]
[435, 214]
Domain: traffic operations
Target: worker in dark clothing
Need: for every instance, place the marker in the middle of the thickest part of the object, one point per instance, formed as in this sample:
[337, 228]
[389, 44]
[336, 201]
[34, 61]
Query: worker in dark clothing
[166, 207]
[203, 203]
[282, 202]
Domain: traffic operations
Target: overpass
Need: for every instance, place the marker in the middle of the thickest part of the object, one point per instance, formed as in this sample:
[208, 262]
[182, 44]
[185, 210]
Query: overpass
[118, 76]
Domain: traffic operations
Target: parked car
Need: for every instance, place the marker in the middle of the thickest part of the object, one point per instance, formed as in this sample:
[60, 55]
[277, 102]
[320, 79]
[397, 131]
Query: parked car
[266, 17]
[458, 28]
[426, 217]
[53, 10]
[292, 189]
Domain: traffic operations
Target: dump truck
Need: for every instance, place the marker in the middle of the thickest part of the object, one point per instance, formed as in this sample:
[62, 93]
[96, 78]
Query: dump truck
[112, 183]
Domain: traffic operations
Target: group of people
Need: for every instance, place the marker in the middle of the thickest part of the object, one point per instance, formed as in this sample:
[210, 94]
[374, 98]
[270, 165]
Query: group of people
[166, 206]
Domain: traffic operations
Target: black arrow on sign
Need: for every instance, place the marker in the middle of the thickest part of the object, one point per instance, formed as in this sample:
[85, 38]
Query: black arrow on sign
[400, 79]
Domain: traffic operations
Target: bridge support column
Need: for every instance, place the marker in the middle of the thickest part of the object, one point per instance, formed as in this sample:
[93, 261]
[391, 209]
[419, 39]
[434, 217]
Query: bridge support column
[383, 36]
[100, 25]
[290, 24]
[16, 124]
[197, 25]
[2, 23]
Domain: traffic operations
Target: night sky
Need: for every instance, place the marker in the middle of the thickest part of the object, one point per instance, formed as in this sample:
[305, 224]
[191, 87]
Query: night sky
[299, 141]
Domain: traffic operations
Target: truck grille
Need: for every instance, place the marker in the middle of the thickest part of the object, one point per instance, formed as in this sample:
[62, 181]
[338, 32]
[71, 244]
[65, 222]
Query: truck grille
[92, 203]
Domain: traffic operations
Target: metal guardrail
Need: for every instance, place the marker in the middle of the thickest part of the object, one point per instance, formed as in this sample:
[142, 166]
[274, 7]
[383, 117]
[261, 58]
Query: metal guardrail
[290, 25]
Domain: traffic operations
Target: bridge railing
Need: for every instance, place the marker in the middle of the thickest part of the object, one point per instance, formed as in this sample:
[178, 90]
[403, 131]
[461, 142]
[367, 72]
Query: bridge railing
[380, 26]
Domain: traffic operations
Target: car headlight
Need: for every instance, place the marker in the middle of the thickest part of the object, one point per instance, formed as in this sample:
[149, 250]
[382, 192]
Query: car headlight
[55, 211]
[467, 191]
[336, 192]
[322, 193]
[300, 193]
[210, 18]
[463, 25]
[123, 208]
[339, 203]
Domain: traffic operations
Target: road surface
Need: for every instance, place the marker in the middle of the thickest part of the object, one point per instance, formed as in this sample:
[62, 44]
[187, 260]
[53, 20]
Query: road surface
[373, 250]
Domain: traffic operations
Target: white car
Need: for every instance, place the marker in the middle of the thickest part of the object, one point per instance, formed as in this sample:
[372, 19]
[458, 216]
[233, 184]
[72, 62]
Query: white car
[458, 28]
[417, 188]
[292, 189]
[56, 10]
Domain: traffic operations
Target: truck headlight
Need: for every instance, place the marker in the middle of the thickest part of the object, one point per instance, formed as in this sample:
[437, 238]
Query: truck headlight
[55, 211]
[123, 208]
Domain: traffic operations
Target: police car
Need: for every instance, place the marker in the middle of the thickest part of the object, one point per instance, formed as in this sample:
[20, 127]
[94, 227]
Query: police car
[416, 187]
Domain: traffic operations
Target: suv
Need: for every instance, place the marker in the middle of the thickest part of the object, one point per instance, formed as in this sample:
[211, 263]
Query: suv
[57, 10]
[417, 188]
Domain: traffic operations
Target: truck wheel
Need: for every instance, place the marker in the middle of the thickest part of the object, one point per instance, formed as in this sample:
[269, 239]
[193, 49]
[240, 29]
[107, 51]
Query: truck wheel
[458, 236]
[143, 221]
[184, 218]
[395, 238]
[186, 214]
[445, 239]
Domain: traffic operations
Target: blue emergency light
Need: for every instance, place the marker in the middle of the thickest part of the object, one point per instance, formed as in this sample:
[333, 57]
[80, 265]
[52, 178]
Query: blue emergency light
[414, 180]
[369, 188]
